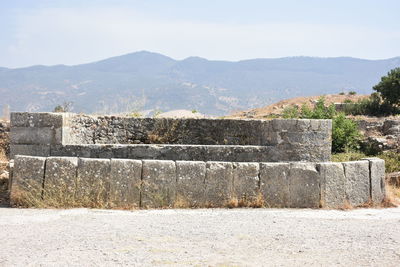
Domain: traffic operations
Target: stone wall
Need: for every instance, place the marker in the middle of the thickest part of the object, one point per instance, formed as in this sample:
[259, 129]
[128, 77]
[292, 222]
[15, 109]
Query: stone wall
[166, 183]
[50, 134]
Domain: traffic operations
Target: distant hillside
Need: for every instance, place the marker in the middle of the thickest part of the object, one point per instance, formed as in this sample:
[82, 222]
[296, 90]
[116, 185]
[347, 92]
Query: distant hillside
[278, 108]
[150, 81]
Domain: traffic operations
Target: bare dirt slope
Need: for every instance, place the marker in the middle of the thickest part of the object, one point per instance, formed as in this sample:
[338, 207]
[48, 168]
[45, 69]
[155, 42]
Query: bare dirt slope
[277, 108]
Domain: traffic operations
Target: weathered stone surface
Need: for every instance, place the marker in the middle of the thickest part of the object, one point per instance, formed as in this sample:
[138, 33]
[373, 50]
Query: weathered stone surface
[357, 182]
[190, 186]
[35, 135]
[93, 181]
[219, 183]
[158, 183]
[36, 119]
[82, 151]
[27, 182]
[333, 182]
[30, 150]
[246, 181]
[193, 152]
[274, 184]
[304, 189]
[125, 182]
[251, 140]
[377, 179]
[60, 179]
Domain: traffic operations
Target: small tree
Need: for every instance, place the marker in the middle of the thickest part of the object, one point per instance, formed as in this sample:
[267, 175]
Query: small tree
[64, 107]
[389, 87]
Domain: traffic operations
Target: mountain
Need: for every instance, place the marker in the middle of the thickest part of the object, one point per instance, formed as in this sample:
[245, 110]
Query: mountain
[151, 81]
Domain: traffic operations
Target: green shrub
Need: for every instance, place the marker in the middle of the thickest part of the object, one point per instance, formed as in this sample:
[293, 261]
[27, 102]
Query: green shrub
[345, 134]
[290, 112]
[371, 106]
[352, 93]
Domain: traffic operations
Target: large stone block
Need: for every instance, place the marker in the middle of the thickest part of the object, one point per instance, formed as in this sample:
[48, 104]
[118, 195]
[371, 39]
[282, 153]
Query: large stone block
[304, 180]
[274, 184]
[35, 135]
[125, 182]
[60, 180]
[357, 182]
[190, 186]
[158, 183]
[333, 183]
[37, 119]
[219, 183]
[377, 179]
[27, 181]
[93, 182]
[246, 181]
[29, 150]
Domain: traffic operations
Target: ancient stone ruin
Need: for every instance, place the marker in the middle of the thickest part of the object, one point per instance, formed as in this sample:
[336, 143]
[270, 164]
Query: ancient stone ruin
[108, 161]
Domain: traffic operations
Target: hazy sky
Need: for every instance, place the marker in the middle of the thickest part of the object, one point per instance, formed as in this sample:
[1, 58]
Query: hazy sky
[78, 31]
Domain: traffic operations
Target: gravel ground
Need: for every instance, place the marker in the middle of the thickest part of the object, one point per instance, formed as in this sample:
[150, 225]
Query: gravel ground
[212, 237]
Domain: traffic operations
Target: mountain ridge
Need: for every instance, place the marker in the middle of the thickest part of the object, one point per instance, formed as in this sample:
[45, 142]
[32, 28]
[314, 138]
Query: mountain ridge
[151, 81]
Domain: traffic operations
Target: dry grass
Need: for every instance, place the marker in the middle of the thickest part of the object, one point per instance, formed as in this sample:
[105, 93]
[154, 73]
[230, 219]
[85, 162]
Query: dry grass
[181, 202]
[346, 206]
[244, 202]
[32, 195]
[392, 198]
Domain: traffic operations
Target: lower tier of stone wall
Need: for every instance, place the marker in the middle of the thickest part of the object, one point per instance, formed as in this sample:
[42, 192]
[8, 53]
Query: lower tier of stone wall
[126, 183]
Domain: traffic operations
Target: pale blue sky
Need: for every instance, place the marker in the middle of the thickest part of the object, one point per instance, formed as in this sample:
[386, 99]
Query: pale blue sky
[78, 31]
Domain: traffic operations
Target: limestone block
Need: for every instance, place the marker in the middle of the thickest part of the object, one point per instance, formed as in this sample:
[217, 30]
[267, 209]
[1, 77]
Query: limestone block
[29, 150]
[27, 182]
[144, 152]
[357, 182]
[82, 151]
[377, 179]
[304, 180]
[333, 182]
[219, 183]
[190, 186]
[286, 125]
[35, 135]
[246, 181]
[93, 182]
[158, 183]
[303, 125]
[125, 182]
[36, 119]
[274, 184]
[60, 179]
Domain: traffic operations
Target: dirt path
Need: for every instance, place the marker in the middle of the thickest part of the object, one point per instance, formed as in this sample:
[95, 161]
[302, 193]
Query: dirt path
[219, 237]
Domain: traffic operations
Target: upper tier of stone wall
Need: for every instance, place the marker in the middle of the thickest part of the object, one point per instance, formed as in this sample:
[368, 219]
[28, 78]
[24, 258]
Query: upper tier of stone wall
[296, 139]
